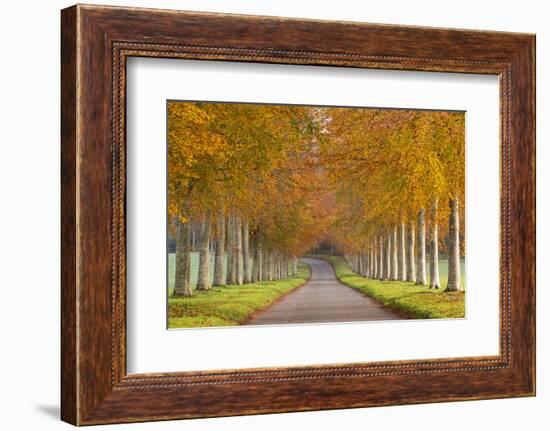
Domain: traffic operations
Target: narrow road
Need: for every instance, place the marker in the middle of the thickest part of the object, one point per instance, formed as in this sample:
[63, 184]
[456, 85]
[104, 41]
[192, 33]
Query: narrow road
[323, 299]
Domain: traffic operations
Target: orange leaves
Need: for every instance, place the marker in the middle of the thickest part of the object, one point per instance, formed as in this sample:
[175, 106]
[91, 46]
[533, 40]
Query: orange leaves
[302, 175]
[385, 165]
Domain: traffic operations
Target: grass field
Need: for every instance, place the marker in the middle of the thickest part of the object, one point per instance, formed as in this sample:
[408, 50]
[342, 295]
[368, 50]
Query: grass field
[230, 305]
[406, 299]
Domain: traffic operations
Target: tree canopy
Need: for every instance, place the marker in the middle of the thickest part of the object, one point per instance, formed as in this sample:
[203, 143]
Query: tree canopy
[300, 175]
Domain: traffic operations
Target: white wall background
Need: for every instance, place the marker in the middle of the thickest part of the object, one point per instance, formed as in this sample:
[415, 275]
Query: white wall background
[29, 220]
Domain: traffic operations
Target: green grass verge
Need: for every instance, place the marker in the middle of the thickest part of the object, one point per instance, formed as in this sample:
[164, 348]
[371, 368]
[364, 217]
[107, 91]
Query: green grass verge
[405, 299]
[230, 305]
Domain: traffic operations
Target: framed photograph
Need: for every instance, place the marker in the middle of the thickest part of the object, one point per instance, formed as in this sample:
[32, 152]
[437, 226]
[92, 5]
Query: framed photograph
[267, 215]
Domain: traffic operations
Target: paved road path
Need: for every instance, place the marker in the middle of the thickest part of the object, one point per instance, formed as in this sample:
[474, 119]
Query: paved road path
[323, 299]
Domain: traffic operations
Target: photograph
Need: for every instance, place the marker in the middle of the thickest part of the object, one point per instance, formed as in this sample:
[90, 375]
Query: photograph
[302, 214]
[306, 214]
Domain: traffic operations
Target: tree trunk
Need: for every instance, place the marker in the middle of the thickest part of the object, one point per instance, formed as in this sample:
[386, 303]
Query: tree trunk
[288, 270]
[374, 251]
[195, 229]
[434, 252]
[382, 263]
[453, 281]
[402, 254]
[265, 265]
[252, 243]
[182, 282]
[294, 265]
[365, 262]
[193, 236]
[421, 249]
[239, 259]
[394, 257]
[219, 276]
[276, 266]
[257, 264]
[411, 261]
[271, 270]
[389, 259]
[203, 280]
[231, 251]
[246, 253]
[371, 261]
[370, 270]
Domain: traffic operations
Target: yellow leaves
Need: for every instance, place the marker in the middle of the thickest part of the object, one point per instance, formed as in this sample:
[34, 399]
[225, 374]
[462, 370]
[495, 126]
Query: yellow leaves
[387, 164]
[302, 174]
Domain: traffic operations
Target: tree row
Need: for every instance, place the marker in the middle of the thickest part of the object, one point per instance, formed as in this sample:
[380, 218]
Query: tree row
[241, 173]
[390, 170]
[266, 184]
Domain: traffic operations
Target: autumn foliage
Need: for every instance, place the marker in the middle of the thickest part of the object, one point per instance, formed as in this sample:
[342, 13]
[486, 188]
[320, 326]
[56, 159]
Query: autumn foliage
[264, 184]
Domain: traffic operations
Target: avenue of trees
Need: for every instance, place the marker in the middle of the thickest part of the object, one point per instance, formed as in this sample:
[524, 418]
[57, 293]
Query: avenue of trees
[257, 186]
[243, 173]
[399, 180]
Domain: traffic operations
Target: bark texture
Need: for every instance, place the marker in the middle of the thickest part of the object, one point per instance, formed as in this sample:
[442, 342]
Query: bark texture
[453, 282]
[434, 250]
[203, 280]
[265, 265]
[421, 248]
[394, 255]
[182, 282]
[219, 274]
[388, 257]
[271, 266]
[411, 261]
[257, 263]
[239, 249]
[402, 272]
[382, 257]
[365, 263]
[231, 251]
[246, 253]
[374, 251]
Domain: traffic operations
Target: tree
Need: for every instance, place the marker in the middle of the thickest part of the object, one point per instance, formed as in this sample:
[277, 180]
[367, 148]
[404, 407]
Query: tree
[411, 261]
[421, 248]
[434, 252]
[182, 283]
[453, 282]
[268, 183]
[203, 280]
[402, 253]
[219, 275]
[386, 181]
